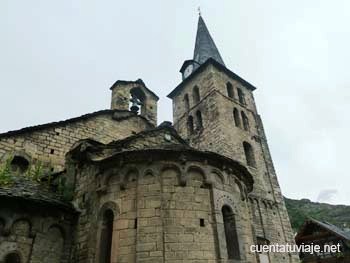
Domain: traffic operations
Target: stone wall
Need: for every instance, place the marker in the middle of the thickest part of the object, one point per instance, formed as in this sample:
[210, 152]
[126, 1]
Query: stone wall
[221, 134]
[36, 234]
[159, 217]
[50, 143]
[122, 91]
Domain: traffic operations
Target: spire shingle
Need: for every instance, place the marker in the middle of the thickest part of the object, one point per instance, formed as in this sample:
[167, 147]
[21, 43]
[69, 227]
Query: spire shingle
[205, 47]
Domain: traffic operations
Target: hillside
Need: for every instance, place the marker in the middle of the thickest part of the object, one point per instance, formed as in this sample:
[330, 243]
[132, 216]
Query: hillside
[299, 210]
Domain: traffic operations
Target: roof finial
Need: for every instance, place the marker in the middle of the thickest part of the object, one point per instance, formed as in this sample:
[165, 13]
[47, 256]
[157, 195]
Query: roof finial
[199, 11]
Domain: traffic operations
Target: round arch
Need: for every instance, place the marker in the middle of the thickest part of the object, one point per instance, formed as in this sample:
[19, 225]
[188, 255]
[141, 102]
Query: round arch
[12, 257]
[108, 206]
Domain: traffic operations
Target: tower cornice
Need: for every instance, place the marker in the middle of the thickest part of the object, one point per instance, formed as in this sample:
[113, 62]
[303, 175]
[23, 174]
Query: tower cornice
[201, 68]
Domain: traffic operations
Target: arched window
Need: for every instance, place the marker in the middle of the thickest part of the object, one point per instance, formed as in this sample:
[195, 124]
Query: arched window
[190, 125]
[137, 99]
[196, 96]
[12, 258]
[199, 120]
[236, 118]
[241, 98]
[263, 256]
[249, 154]
[229, 88]
[54, 245]
[245, 121]
[187, 102]
[106, 236]
[19, 164]
[232, 244]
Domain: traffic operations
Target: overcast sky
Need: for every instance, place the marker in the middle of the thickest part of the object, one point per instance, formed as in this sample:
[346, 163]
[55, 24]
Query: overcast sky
[59, 58]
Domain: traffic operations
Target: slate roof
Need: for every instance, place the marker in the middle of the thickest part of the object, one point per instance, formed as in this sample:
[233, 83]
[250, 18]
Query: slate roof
[149, 144]
[205, 53]
[98, 150]
[27, 190]
[332, 228]
[329, 227]
[205, 46]
[128, 114]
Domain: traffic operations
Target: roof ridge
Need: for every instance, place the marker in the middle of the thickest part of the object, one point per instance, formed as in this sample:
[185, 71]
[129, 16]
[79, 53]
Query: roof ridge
[70, 120]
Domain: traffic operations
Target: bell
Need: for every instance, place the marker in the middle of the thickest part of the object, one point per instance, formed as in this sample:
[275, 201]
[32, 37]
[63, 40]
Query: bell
[134, 107]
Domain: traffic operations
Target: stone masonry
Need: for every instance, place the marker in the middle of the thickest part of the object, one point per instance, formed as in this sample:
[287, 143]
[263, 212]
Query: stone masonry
[166, 197]
[220, 134]
[113, 187]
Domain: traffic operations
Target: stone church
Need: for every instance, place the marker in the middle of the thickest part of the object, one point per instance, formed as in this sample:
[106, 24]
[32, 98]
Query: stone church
[112, 186]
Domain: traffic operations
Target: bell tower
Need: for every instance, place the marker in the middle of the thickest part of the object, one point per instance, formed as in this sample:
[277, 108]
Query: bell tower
[136, 97]
[214, 109]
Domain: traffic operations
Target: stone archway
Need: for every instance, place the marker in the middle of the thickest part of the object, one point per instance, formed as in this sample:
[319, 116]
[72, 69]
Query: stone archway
[12, 257]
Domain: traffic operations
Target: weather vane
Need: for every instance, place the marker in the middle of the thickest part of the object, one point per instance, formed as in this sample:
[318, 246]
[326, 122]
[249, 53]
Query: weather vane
[199, 11]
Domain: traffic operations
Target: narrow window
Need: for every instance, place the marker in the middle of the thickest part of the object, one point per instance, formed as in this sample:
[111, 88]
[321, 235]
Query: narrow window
[106, 236]
[201, 222]
[241, 98]
[187, 102]
[232, 244]
[199, 120]
[54, 248]
[236, 117]
[249, 154]
[135, 223]
[229, 90]
[196, 96]
[19, 164]
[263, 256]
[52, 151]
[245, 121]
[190, 125]
[12, 258]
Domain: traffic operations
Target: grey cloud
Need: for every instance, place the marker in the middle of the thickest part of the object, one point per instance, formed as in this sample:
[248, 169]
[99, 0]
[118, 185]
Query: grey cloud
[326, 195]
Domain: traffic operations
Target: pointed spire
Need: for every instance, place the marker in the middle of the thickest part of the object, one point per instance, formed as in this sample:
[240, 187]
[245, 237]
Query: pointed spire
[205, 47]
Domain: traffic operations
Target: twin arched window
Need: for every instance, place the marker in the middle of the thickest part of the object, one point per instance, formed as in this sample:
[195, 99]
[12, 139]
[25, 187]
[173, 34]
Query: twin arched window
[232, 244]
[190, 123]
[230, 93]
[190, 120]
[195, 97]
[237, 119]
